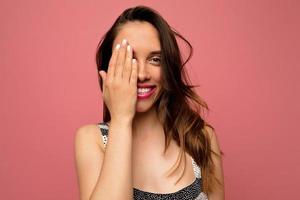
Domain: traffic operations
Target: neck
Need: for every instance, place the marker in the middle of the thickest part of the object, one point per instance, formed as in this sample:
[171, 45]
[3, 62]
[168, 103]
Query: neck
[145, 124]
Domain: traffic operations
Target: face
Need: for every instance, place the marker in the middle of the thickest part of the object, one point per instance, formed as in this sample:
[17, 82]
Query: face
[143, 38]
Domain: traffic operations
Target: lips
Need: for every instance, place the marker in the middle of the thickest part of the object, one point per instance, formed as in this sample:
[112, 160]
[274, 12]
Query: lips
[145, 92]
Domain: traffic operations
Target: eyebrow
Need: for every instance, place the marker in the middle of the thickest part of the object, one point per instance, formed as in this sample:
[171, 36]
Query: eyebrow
[155, 52]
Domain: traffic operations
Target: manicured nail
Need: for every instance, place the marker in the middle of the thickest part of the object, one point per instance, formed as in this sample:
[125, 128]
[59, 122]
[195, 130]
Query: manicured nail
[124, 42]
[133, 60]
[118, 46]
[128, 48]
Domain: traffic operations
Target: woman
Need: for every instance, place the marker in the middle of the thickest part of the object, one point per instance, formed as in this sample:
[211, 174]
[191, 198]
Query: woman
[154, 143]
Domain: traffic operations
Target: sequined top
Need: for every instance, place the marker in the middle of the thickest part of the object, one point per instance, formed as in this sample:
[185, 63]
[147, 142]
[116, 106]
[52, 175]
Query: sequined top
[190, 192]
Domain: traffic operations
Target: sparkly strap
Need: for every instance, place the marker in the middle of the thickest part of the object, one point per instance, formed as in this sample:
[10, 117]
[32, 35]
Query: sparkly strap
[104, 132]
[202, 196]
[197, 169]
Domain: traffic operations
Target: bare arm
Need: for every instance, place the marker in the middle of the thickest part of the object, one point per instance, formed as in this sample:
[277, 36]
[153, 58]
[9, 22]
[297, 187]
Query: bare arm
[105, 175]
[218, 193]
[115, 181]
[89, 154]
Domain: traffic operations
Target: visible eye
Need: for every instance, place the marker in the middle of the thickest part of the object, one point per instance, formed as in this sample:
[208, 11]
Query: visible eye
[155, 60]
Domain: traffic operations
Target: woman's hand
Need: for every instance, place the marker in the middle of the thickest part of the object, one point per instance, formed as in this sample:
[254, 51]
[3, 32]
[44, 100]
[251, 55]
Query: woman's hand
[120, 83]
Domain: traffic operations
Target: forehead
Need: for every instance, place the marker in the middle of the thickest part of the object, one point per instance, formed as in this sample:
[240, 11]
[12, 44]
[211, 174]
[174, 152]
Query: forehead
[142, 36]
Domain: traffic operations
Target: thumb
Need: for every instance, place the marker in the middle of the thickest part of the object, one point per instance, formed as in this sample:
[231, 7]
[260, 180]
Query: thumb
[102, 74]
[103, 77]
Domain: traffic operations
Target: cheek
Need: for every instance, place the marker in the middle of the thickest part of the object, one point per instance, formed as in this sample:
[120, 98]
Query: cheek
[156, 76]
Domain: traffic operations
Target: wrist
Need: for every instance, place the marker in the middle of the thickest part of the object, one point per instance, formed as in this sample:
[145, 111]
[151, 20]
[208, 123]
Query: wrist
[125, 122]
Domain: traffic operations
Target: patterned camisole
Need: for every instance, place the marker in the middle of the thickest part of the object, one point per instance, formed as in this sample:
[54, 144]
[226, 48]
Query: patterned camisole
[190, 192]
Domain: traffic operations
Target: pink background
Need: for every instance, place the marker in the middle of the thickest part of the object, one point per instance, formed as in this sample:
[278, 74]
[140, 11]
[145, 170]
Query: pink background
[246, 61]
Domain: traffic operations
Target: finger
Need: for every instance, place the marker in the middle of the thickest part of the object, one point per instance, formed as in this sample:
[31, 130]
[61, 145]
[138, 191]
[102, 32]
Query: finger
[112, 62]
[103, 77]
[133, 75]
[127, 65]
[121, 59]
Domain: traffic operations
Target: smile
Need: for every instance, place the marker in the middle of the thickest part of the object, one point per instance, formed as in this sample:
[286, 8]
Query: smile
[146, 92]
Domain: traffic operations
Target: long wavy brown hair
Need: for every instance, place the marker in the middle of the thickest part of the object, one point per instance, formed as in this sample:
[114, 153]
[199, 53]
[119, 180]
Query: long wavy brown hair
[179, 108]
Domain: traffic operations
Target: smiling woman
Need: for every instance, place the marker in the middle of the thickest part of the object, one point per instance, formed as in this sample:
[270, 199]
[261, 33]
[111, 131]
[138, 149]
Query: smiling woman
[152, 142]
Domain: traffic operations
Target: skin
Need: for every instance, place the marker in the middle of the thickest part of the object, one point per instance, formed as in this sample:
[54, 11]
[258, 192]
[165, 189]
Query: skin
[135, 132]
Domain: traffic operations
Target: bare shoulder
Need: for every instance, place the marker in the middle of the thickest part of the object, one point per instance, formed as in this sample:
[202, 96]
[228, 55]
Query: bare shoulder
[218, 191]
[89, 134]
[210, 131]
[89, 155]
[213, 138]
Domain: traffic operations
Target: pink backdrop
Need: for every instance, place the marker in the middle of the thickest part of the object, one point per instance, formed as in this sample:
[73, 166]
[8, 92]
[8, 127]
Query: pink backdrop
[246, 61]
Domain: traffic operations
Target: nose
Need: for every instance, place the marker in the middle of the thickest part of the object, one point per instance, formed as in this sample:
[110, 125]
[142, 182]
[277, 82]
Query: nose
[143, 73]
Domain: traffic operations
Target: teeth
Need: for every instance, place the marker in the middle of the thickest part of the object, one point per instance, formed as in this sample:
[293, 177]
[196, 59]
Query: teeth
[143, 90]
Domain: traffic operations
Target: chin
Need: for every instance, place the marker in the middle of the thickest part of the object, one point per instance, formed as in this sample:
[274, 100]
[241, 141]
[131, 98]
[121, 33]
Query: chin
[144, 106]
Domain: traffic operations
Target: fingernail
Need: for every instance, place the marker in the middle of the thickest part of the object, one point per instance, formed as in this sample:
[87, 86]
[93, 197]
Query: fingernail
[133, 60]
[128, 48]
[124, 42]
[118, 46]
